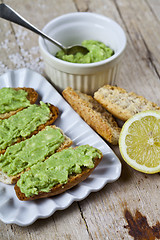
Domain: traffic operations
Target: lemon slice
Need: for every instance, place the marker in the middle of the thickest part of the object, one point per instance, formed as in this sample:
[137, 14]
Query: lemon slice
[139, 141]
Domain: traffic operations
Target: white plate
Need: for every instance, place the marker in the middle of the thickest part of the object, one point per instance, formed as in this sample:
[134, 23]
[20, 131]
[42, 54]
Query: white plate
[22, 213]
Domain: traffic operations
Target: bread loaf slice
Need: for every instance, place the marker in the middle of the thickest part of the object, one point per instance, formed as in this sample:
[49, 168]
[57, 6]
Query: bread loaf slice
[20, 131]
[122, 104]
[93, 114]
[32, 96]
[73, 178]
[27, 153]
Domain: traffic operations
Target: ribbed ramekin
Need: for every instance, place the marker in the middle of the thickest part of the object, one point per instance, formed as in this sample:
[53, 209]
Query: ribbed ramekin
[73, 28]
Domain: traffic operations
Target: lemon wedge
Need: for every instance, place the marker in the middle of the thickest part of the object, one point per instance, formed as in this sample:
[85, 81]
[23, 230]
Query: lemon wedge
[139, 141]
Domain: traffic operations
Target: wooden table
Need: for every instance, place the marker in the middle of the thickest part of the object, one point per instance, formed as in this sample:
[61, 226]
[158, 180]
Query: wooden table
[128, 208]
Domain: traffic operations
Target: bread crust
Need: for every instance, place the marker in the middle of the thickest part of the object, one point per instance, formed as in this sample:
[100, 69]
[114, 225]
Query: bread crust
[32, 97]
[93, 114]
[13, 179]
[122, 104]
[59, 188]
[54, 111]
[32, 94]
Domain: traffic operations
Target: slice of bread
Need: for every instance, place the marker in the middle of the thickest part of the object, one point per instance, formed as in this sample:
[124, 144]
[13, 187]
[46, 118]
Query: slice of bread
[73, 180]
[122, 104]
[67, 142]
[32, 94]
[93, 114]
[32, 97]
[53, 116]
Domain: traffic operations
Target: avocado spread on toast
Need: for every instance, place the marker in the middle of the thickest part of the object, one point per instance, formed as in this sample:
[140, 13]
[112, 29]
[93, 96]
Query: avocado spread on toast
[12, 99]
[27, 153]
[23, 123]
[56, 169]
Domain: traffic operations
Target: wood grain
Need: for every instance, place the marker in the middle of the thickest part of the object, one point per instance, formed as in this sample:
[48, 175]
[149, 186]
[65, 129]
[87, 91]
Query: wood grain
[104, 214]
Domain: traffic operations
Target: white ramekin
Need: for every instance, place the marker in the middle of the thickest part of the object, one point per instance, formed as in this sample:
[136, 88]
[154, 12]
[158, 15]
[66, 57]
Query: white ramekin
[73, 28]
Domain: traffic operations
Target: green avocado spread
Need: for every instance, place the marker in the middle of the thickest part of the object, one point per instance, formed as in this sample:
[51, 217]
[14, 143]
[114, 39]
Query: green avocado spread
[98, 51]
[23, 123]
[27, 153]
[12, 99]
[56, 169]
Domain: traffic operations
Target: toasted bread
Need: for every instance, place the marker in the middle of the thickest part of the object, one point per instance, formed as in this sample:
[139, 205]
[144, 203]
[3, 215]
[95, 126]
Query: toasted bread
[122, 104]
[32, 97]
[94, 114]
[13, 178]
[73, 180]
[53, 116]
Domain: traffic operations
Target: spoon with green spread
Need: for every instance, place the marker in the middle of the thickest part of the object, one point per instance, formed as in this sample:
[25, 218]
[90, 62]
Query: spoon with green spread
[9, 14]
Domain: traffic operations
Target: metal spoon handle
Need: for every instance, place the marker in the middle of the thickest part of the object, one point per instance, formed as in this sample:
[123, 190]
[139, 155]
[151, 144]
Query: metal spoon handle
[9, 14]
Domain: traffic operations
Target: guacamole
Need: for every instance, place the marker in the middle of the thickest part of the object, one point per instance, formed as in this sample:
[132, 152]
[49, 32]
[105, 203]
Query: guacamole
[56, 169]
[12, 99]
[98, 51]
[27, 153]
[23, 123]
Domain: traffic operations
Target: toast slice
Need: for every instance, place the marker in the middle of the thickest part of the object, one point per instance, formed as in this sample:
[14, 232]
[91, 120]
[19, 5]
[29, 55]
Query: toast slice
[122, 104]
[93, 114]
[21, 156]
[15, 129]
[67, 179]
[11, 109]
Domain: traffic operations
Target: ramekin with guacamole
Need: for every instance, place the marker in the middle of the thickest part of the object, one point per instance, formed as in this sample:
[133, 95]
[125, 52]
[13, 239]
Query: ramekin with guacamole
[98, 51]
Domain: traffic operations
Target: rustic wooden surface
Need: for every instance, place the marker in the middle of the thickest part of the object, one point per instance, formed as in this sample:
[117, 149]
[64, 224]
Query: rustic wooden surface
[128, 208]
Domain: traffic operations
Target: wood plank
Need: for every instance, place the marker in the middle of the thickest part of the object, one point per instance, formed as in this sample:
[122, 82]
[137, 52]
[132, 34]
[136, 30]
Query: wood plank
[154, 7]
[142, 53]
[81, 6]
[133, 190]
[9, 52]
[25, 49]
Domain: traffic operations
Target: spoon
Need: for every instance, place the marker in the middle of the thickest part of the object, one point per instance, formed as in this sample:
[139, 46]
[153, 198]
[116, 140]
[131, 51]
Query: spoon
[9, 14]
